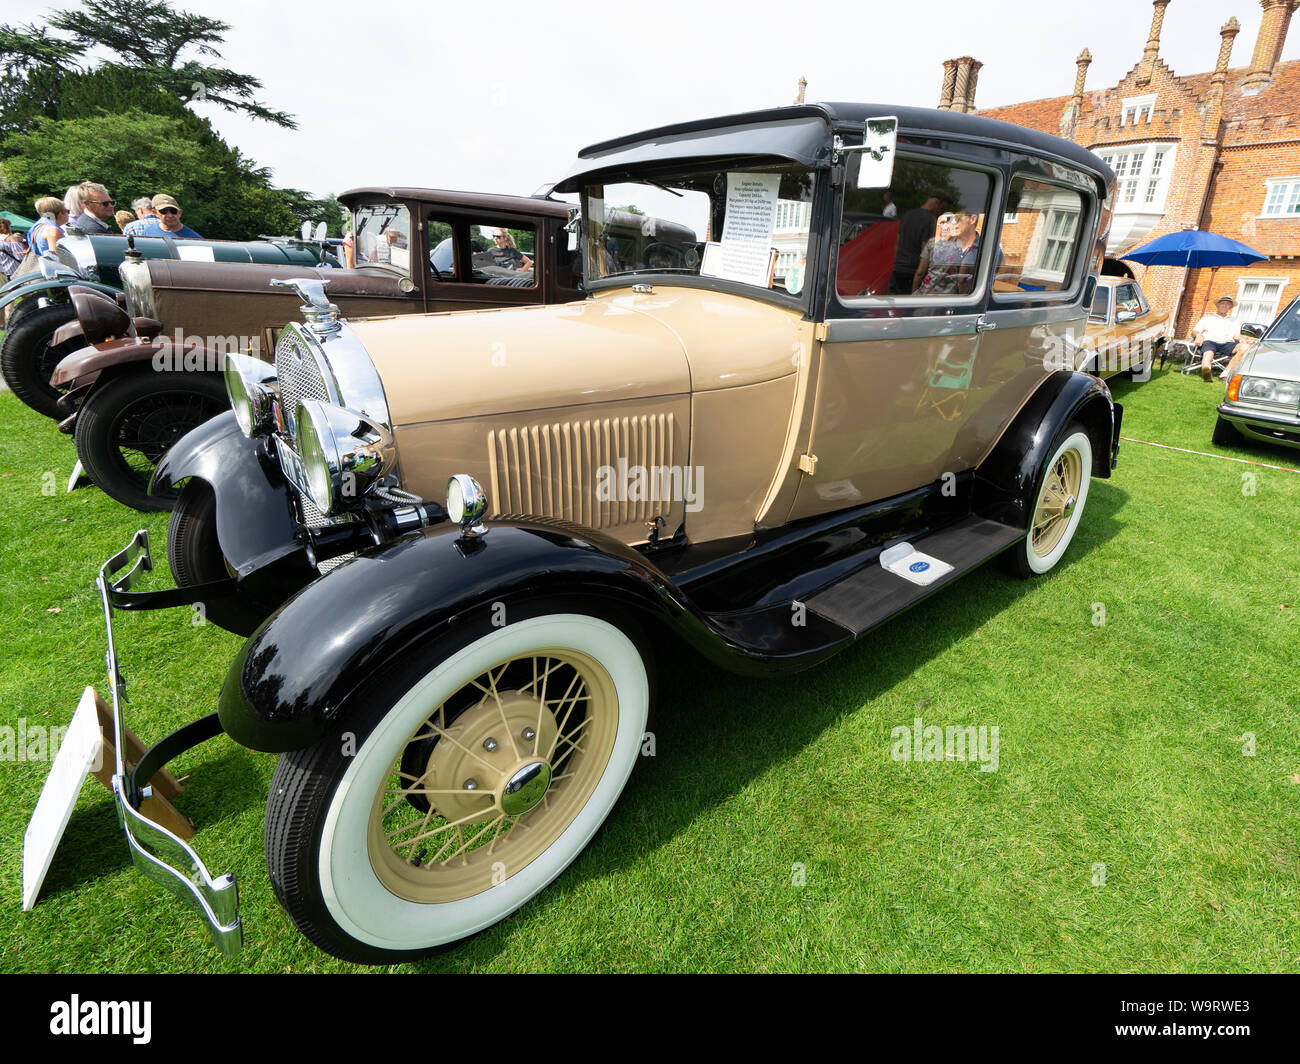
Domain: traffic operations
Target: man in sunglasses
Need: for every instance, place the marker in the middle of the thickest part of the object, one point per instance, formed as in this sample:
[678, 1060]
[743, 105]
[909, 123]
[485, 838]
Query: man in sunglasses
[96, 215]
[168, 220]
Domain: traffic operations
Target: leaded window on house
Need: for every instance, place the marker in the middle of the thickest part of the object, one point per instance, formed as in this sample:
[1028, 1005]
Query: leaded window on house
[1257, 300]
[1141, 177]
[1058, 242]
[1283, 198]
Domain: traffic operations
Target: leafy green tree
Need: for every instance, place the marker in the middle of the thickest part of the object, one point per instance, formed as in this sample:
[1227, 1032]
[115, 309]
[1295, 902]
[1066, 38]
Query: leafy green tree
[124, 122]
[136, 153]
[151, 36]
[308, 208]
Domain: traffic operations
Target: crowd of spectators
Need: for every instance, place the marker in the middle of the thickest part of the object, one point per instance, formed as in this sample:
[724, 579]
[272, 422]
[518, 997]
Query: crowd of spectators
[87, 208]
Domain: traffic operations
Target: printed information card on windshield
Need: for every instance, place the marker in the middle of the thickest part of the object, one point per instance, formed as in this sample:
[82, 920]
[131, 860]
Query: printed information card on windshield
[745, 251]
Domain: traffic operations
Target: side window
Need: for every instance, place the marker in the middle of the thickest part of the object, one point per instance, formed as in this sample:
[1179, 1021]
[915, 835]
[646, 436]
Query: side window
[1127, 299]
[502, 256]
[442, 248]
[1041, 247]
[1100, 305]
[381, 236]
[472, 250]
[921, 237]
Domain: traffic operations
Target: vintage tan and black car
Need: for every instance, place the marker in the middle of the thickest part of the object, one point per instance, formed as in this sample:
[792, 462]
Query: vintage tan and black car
[1262, 399]
[151, 370]
[737, 442]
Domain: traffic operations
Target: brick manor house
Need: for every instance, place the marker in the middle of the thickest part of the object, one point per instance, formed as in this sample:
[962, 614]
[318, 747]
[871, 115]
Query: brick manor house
[1218, 151]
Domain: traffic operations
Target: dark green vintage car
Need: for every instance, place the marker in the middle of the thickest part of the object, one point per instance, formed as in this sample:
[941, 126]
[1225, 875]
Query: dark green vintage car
[31, 351]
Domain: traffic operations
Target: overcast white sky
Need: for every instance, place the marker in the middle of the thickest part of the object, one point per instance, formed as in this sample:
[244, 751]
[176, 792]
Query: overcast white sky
[499, 96]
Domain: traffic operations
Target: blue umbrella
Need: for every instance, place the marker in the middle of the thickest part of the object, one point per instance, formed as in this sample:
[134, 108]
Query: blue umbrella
[1193, 249]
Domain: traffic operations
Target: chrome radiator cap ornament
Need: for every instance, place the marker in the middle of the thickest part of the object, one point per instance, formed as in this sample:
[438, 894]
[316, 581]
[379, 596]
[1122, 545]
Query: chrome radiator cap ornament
[322, 315]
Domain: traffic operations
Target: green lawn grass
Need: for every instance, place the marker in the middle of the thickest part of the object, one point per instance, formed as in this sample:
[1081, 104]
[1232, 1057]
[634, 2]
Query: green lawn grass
[1120, 745]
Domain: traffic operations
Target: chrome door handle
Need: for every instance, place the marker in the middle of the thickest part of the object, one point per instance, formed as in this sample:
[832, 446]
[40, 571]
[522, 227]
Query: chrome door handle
[984, 325]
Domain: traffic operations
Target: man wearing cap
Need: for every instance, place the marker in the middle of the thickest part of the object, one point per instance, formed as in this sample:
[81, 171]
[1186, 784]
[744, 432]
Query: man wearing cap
[1216, 334]
[168, 220]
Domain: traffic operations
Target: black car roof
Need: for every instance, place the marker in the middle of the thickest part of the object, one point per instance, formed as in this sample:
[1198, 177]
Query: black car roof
[482, 200]
[790, 132]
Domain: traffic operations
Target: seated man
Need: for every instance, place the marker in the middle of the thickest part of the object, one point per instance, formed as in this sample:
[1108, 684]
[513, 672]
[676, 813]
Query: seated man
[1216, 334]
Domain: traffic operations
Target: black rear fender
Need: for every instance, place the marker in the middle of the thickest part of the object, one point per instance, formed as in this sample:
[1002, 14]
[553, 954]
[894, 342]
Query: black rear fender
[1006, 480]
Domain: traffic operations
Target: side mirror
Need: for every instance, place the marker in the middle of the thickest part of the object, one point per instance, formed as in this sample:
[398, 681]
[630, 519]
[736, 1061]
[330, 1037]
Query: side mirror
[1125, 316]
[1253, 330]
[879, 146]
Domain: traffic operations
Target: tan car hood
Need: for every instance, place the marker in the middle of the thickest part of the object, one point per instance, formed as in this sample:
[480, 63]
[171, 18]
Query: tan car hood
[436, 367]
[617, 346]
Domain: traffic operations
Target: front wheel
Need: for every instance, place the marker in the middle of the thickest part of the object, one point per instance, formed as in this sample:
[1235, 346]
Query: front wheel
[126, 425]
[1225, 433]
[195, 557]
[1059, 498]
[459, 789]
[29, 356]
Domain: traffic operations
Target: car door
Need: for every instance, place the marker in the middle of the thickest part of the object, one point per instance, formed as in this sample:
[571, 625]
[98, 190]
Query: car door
[897, 372]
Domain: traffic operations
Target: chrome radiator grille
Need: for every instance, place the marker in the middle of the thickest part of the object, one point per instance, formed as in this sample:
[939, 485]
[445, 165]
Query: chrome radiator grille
[553, 470]
[298, 376]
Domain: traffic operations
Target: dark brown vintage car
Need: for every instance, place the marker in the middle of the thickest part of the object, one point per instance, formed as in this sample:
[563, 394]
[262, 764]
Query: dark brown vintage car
[152, 370]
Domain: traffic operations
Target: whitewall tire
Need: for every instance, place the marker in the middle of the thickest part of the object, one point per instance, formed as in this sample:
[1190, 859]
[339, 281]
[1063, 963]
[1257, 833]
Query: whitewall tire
[471, 783]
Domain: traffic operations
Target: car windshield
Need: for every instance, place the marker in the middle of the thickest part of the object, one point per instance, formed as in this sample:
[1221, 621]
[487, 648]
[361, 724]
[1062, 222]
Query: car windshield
[382, 235]
[1287, 327]
[747, 223]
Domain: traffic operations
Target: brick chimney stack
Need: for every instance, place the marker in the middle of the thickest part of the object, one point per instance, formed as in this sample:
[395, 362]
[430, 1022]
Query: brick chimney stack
[1151, 53]
[1268, 45]
[959, 79]
[1074, 108]
[1227, 35]
[949, 84]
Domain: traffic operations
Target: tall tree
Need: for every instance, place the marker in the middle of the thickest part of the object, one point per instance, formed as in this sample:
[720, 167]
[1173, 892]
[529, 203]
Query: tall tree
[152, 36]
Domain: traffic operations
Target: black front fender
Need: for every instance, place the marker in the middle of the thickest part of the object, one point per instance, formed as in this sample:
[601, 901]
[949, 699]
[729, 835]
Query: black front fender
[256, 526]
[49, 289]
[293, 679]
[1006, 480]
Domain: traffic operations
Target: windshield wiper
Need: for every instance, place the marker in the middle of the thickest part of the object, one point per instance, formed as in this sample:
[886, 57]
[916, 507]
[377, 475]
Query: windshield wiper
[663, 188]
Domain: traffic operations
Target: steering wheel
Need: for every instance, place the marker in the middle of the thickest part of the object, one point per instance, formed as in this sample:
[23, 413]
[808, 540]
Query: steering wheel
[670, 250]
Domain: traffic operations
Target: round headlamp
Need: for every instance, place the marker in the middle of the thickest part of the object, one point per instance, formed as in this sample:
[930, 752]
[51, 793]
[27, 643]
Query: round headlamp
[249, 384]
[466, 504]
[344, 453]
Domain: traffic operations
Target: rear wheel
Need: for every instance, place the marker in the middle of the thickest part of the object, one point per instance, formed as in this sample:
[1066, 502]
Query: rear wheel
[126, 425]
[460, 789]
[1225, 433]
[1059, 498]
[29, 356]
[195, 557]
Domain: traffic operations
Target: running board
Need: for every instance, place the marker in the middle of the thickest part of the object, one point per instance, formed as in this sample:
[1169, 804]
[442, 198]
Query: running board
[872, 595]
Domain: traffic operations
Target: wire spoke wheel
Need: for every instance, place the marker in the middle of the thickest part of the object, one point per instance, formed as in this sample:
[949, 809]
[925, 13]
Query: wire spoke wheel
[1056, 502]
[1056, 506]
[462, 781]
[126, 426]
[493, 776]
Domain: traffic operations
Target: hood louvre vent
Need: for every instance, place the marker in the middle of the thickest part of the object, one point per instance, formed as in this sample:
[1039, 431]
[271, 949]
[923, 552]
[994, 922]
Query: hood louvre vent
[558, 470]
